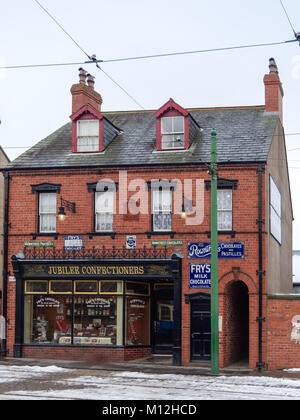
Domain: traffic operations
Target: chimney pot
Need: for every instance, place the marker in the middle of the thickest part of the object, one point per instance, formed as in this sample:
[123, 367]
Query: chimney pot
[82, 75]
[273, 66]
[90, 81]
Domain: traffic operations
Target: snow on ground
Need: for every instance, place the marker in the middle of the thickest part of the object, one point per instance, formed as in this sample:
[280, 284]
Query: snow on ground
[97, 385]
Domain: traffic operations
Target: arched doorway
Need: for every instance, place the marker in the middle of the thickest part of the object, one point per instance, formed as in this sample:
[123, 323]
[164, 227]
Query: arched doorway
[237, 323]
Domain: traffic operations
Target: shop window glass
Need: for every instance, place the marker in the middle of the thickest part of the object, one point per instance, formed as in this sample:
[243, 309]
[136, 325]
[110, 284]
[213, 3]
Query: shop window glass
[36, 286]
[86, 287]
[98, 320]
[111, 287]
[47, 319]
[137, 320]
[137, 288]
[61, 286]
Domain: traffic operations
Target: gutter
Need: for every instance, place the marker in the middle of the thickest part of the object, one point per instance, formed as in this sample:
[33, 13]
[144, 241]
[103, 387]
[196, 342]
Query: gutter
[260, 364]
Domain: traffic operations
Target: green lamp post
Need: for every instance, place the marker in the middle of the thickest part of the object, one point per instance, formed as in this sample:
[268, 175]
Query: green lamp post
[214, 303]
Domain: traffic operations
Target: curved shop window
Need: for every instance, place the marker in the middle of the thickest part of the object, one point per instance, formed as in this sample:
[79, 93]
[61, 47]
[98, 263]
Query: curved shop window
[84, 312]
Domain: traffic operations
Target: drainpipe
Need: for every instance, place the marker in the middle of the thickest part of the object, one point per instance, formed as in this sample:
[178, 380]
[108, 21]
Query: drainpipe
[5, 255]
[260, 364]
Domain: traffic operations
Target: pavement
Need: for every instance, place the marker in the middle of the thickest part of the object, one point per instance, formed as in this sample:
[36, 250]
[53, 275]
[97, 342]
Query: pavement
[153, 364]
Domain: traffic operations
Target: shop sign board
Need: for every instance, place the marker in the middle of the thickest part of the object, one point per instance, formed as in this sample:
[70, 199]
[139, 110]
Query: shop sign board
[38, 244]
[73, 243]
[225, 250]
[167, 242]
[199, 275]
[130, 241]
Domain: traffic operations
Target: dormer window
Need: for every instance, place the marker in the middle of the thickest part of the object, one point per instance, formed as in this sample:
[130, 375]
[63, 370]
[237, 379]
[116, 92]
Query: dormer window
[175, 127]
[88, 135]
[172, 132]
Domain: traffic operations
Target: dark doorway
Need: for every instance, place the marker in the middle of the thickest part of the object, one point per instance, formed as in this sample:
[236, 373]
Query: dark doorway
[163, 319]
[200, 327]
[237, 322]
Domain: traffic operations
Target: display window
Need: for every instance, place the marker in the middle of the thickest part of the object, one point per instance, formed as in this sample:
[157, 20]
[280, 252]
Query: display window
[98, 320]
[47, 318]
[137, 320]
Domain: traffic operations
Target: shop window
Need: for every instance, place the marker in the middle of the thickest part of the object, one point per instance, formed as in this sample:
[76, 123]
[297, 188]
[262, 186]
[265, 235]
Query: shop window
[61, 286]
[224, 202]
[47, 212]
[137, 288]
[98, 320]
[104, 209]
[161, 210]
[137, 320]
[47, 319]
[36, 286]
[83, 286]
[107, 286]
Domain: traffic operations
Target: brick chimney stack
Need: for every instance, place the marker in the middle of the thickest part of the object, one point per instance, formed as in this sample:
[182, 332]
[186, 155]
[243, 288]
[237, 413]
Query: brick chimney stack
[84, 94]
[273, 90]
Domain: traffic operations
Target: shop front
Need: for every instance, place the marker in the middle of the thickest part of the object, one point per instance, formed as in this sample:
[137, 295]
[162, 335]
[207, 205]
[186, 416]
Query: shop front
[117, 309]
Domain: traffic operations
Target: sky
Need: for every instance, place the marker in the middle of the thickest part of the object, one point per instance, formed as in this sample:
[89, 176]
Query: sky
[34, 102]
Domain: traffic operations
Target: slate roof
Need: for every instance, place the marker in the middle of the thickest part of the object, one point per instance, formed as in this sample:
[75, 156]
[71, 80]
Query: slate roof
[243, 135]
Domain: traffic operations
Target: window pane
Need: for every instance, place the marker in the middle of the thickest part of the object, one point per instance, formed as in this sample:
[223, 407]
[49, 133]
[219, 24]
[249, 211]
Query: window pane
[137, 288]
[98, 320]
[224, 220]
[86, 287]
[111, 287]
[61, 286]
[170, 141]
[178, 126]
[47, 202]
[88, 128]
[104, 201]
[166, 125]
[35, 286]
[138, 322]
[162, 221]
[88, 144]
[47, 223]
[104, 222]
[47, 319]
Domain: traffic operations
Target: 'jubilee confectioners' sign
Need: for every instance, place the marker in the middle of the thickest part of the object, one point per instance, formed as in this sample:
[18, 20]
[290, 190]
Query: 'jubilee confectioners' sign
[94, 270]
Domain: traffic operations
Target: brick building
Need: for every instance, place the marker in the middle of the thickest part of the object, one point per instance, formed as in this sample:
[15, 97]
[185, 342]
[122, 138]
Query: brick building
[125, 274]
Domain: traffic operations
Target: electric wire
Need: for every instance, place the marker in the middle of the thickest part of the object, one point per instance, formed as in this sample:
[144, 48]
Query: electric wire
[286, 13]
[144, 57]
[90, 57]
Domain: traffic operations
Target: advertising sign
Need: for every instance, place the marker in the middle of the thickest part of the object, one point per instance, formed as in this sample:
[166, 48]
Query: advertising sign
[167, 242]
[73, 243]
[225, 250]
[199, 275]
[130, 241]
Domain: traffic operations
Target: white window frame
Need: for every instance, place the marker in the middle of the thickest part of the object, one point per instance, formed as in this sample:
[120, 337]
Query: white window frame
[109, 211]
[275, 211]
[46, 213]
[172, 133]
[222, 209]
[160, 209]
[91, 140]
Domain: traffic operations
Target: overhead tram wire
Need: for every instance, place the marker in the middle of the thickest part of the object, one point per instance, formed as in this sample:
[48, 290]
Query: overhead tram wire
[90, 57]
[144, 57]
[288, 18]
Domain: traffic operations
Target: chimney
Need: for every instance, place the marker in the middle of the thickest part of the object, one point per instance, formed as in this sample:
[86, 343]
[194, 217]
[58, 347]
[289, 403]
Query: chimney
[84, 94]
[273, 90]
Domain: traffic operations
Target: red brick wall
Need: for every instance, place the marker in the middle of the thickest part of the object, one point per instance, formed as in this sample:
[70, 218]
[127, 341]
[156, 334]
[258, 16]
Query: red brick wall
[23, 211]
[282, 351]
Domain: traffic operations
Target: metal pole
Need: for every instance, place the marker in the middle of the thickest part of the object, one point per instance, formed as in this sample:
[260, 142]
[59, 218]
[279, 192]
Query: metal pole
[214, 302]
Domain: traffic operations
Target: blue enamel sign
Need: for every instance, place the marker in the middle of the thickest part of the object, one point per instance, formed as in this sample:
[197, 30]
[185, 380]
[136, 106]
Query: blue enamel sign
[225, 250]
[73, 243]
[199, 275]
